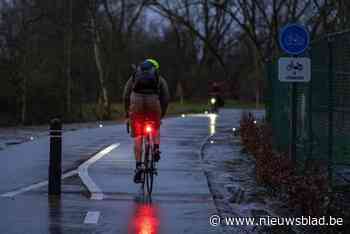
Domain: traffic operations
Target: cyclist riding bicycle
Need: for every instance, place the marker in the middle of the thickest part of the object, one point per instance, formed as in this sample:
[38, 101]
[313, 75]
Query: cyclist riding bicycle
[146, 97]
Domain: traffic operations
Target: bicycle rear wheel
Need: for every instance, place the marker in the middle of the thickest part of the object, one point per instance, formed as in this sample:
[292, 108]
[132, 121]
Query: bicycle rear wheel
[147, 173]
[149, 177]
[145, 164]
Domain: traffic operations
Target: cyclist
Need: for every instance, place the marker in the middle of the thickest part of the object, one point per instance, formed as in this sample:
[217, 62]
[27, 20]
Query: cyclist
[215, 94]
[146, 95]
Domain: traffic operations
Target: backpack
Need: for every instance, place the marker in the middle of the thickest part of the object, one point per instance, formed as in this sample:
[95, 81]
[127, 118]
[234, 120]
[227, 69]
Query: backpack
[146, 80]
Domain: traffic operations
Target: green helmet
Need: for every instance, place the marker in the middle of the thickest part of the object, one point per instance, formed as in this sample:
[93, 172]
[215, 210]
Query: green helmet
[154, 63]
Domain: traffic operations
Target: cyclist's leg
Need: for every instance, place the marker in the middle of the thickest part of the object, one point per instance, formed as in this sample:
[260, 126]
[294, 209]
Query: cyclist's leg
[154, 113]
[138, 158]
[138, 140]
[136, 117]
[136, 133]
[156, 146]
[156, 137]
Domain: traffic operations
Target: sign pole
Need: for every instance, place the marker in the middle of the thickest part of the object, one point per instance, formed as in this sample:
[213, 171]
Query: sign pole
[294, 39]
[293, 122]
[294, 116]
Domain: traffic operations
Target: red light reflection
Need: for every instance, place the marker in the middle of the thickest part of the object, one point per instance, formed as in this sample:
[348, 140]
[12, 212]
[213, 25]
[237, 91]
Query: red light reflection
[145, 220]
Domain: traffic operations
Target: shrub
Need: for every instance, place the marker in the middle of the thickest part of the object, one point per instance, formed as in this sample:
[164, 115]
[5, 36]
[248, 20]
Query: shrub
[309, 191]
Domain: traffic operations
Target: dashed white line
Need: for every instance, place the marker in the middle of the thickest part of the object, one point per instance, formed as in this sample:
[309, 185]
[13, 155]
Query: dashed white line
[92, 217]
[95, 191]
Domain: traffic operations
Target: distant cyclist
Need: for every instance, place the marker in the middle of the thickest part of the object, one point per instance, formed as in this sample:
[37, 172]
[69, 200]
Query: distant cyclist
[146, 96]
[215, 94]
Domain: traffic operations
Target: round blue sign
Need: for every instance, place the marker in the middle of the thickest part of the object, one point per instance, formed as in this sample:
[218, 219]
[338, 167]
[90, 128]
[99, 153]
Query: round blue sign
[294, 39]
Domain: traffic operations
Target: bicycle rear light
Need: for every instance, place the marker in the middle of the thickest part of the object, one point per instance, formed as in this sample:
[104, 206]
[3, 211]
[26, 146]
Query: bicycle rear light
[148, 129]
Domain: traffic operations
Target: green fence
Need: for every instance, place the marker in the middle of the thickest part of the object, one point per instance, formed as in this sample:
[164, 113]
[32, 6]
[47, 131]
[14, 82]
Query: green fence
[323, 108]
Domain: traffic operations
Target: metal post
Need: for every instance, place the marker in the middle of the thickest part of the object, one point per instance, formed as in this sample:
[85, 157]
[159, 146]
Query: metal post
[293, 148]
[330, 109]
[310, 109]
[293, 123]
[55, 169]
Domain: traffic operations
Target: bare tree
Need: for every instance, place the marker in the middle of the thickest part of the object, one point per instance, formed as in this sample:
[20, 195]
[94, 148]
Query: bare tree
[198, 17]
[18, 18]
[98, 56]
[261, 21]
[68, 36]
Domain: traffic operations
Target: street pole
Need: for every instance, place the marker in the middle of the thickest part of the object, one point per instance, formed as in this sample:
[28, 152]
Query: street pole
[310, 115]
[293, 133]
[55, 168]
[293, 124]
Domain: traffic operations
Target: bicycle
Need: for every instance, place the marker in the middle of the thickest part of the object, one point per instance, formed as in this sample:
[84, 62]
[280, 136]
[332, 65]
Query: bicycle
[149, 169]
[149, 164]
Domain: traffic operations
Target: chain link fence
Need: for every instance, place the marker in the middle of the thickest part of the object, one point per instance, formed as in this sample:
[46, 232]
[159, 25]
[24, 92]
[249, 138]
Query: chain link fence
[323, 109]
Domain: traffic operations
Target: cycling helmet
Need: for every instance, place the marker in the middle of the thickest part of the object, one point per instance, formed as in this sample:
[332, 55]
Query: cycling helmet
[154, 63]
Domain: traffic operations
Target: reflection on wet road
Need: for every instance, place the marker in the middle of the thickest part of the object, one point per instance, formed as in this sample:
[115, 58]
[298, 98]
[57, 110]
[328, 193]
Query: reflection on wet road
[145, 219]
[54, 215]
[212, 123]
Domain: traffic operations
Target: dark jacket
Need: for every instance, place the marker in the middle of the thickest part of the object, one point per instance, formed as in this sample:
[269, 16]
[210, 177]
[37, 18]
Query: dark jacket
[164, 95]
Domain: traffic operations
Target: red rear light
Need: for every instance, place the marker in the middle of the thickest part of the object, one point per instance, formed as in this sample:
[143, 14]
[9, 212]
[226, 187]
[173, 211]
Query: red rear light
[148, 129]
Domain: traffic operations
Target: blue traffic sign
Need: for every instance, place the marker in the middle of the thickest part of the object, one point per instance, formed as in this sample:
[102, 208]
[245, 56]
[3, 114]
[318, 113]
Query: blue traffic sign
[294, 39]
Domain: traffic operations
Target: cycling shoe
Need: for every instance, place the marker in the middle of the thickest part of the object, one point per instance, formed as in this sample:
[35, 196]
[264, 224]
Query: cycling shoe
[138, 176]
[157, 156]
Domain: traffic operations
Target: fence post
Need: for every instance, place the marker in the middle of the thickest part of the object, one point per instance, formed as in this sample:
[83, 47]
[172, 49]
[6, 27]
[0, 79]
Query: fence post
[55, 169]
[330, 109]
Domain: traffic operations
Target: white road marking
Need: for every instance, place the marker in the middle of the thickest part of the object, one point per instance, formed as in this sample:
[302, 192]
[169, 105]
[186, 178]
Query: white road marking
[92, 217]
[95, 191]
[36, 186]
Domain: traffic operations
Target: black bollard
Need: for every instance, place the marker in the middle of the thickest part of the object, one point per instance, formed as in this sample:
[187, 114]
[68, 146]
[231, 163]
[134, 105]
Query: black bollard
[55, 169]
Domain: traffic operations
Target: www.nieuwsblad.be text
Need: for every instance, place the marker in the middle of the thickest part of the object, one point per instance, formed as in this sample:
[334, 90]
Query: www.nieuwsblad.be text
[216, 220]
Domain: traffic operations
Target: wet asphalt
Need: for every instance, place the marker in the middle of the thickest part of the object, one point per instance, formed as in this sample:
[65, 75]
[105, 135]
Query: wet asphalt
[181, 201]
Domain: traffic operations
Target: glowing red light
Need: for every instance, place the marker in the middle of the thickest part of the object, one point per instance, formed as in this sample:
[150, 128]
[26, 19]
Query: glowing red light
[148, 129]
[146, 220]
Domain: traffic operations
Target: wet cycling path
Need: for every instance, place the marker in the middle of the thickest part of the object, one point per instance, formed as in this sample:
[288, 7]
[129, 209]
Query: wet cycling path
[181, 202]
